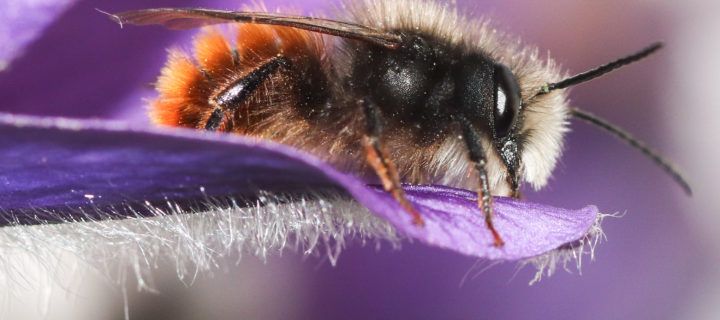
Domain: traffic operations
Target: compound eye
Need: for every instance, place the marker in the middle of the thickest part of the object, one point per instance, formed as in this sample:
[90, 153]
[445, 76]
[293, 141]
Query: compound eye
[507, 100]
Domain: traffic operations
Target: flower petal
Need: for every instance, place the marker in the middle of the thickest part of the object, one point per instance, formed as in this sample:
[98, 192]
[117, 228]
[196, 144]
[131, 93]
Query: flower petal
[61, 167]
[23, 21]
[454, 221]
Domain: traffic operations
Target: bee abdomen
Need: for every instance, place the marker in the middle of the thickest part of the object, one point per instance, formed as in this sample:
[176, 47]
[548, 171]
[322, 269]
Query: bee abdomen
[190, 87]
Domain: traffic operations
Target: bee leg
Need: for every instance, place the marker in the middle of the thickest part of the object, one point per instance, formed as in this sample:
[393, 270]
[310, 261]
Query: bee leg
[234, 95]
[514, 187]
[379, 159]
[477, 156]
[509, 155]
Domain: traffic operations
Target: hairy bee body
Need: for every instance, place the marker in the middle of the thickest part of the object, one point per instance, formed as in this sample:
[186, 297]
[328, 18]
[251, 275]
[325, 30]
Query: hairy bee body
[313, 101]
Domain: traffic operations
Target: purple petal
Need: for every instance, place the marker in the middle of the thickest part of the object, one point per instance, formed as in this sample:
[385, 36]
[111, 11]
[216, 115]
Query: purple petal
[23, 21]
[453, 221]
[63, 166]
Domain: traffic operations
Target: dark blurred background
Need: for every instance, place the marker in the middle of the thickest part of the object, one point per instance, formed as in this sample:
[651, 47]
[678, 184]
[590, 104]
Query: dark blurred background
[661, 257]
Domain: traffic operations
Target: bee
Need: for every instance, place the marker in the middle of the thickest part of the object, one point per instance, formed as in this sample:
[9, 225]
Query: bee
[404, 91]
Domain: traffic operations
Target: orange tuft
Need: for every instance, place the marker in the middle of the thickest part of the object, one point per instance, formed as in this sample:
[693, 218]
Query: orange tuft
[294, 42]
[182, 88]
[256, 43]
[213, 53]
[188, 83]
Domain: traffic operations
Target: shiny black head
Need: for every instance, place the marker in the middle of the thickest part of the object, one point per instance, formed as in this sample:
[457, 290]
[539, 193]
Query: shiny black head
[427, 84]
[431, 87]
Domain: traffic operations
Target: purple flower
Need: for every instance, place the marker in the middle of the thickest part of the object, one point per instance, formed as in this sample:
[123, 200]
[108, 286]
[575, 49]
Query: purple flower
[23, 22]
[83, 66]
[59, 170]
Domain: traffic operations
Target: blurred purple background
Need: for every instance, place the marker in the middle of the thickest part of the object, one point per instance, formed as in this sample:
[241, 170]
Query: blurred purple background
[660, 260]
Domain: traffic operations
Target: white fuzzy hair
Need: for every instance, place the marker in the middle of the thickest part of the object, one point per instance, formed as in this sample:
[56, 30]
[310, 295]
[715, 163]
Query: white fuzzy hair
[195, 242]
[544, 118]
[547, 263]
[314, 225]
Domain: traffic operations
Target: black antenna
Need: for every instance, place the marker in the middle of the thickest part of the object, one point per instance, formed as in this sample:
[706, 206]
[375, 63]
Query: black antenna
[635, 144]
[601, 70]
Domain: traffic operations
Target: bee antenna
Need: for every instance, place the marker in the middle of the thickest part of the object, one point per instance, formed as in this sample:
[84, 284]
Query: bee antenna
[601, 70]
[656, 158]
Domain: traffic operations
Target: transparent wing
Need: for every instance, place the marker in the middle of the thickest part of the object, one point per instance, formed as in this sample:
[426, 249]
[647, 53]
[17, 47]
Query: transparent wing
[188, 18]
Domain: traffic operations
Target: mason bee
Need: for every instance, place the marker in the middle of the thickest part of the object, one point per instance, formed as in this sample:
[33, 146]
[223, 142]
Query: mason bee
[404, 91]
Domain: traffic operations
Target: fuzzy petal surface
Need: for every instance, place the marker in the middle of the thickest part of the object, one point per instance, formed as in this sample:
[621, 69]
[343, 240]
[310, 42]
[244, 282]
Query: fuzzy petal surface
[53, 168]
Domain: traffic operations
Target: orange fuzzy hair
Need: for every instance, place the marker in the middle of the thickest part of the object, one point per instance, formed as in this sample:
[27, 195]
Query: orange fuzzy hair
[187, 85]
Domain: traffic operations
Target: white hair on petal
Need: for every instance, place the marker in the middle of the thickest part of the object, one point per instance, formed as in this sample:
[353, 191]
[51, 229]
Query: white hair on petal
[195, 241]
[546, 264]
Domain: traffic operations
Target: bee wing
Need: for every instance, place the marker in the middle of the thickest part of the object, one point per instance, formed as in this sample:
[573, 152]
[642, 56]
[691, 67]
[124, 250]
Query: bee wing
[188, 18]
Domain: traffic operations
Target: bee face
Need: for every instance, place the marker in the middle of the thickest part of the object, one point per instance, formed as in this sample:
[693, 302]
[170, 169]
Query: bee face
[473, 68]
[431, 85]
